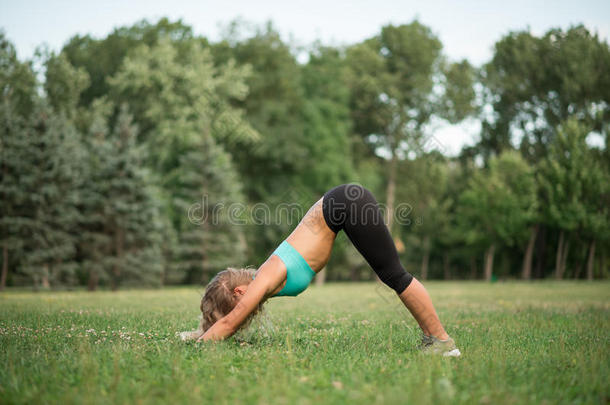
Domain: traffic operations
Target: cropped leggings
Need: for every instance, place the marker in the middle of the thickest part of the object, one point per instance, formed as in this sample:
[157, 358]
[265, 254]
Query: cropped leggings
[353, 208]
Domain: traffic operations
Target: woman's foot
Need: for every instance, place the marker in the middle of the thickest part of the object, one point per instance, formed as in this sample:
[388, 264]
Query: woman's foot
[433, 345]
[426, 340]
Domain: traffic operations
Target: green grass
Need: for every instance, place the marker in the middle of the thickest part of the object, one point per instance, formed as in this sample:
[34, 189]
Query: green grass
[521, 343]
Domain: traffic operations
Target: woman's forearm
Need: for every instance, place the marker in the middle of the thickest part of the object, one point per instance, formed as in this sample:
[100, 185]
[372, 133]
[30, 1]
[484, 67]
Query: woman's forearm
[247, 303]
[219, 331]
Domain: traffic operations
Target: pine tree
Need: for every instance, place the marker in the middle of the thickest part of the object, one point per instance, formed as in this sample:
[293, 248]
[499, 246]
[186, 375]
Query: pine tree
[13, 225]
[210, 235]
[93, 240]
[132, 211]
[122, 227]
[17, 99]
[53, 197]
[40, 197]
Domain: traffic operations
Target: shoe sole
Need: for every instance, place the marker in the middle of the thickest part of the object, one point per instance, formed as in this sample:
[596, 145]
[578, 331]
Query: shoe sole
[453, 353]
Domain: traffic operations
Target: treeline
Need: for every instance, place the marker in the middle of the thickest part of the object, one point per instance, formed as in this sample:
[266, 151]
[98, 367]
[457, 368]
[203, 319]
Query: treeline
[147, 157]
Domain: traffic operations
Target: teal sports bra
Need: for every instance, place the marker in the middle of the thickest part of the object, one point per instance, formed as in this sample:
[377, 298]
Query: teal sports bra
[298, 272]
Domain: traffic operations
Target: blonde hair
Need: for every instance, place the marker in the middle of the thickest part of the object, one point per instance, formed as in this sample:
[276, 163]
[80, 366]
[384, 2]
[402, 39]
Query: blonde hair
[219, 299]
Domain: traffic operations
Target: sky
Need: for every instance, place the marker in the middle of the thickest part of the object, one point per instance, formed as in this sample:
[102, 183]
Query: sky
[467, 28]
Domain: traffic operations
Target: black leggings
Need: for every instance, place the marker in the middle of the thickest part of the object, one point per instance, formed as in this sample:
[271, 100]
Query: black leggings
[354, 209]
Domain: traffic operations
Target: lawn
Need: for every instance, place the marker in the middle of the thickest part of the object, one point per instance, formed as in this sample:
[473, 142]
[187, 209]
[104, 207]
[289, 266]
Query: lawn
[541, 342]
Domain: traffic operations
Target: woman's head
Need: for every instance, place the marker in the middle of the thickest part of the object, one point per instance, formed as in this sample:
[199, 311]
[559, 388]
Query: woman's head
[222, 294]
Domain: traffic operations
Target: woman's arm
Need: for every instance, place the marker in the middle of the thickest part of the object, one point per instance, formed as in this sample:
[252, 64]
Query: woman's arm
[268, 278]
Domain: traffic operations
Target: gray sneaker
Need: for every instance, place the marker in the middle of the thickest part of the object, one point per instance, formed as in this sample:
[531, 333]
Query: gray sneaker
[432, 345]
[426, 341]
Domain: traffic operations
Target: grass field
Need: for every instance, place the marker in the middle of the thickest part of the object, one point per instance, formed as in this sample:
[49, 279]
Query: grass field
[341, 343]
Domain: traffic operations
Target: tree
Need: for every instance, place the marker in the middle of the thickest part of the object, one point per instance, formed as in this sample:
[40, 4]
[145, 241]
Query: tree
[13, 150]
[120, 223]
[536, 83]
[274, 107]
[132, 215]
[326, 135]
[279, 167]
[64, 84]
[176, 102]
[392, 83]
[207, 194]
[498, 205]
[426, 195]
[38, 178]
[184, 105]
[455, 241]
[18, 83]
[326, 121]
[94, 241]
[102, 58]
[575, 190]
[17, 100]
[39, 193]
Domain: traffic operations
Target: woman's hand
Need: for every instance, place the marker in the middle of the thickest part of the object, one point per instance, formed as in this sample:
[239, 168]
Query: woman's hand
[190, 335]
[219, 331]
[228, 325]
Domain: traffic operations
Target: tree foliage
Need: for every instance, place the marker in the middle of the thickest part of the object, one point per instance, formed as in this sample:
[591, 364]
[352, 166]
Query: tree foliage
[147, 157]
[498, 204]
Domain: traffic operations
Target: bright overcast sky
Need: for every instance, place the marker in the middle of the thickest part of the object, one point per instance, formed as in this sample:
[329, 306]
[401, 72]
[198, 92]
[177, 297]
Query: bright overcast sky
[467, 28]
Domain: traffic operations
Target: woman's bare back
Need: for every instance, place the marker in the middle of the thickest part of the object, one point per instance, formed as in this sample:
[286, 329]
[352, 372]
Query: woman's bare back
[312, 238]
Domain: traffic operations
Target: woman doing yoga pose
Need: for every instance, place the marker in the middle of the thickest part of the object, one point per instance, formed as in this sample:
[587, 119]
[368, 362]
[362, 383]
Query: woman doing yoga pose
[235, 295]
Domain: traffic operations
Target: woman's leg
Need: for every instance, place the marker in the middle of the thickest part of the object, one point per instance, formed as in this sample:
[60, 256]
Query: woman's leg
[416, 299]
[353, 208]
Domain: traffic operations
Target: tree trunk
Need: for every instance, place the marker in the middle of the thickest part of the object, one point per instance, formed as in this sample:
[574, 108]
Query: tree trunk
[93, 279]
[56, 271]
[564, 257]
[119, 249]
[489, 262]
[591, 261]
[321, 277]
[45, 283]
[578, 271]
[4, 275]
[4, 267]
[391, 191]
[426, 258]
[113, 281]
[354, 274]
[473, 268]
[166, 253]
[540, 252]
[526, 269]
[558, 260]
[446, 266]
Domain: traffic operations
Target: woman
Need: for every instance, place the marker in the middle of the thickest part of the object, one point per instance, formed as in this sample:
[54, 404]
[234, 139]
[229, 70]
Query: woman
[234, 296]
